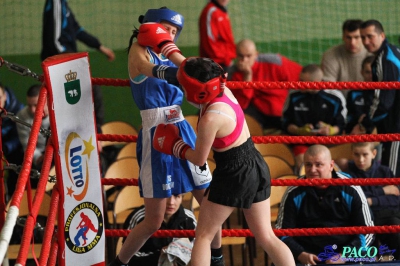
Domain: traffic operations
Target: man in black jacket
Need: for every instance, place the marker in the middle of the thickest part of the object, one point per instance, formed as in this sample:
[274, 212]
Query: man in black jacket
[11, 146]
[320, 207]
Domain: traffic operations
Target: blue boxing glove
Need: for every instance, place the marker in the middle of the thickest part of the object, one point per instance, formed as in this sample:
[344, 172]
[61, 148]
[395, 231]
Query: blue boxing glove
[166, 73]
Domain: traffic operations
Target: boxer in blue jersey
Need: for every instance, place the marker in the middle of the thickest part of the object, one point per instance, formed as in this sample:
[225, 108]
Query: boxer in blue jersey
[152, 66]
[161, 175]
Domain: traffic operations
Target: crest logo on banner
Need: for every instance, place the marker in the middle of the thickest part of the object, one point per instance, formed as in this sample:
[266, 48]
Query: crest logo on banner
[83, 228]
[72, 88]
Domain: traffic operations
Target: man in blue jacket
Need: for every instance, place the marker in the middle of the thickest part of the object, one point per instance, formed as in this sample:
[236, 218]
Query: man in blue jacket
[12, 148]
[61, 31]
[384, 112]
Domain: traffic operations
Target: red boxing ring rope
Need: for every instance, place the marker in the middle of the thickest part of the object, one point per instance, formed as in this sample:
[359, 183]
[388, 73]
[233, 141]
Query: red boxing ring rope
[286, 182]
[278, 232]
[286, 140]
[50, 247]
[286, 85]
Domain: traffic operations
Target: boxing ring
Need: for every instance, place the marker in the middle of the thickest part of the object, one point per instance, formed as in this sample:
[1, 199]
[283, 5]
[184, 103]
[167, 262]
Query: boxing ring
[58, 247]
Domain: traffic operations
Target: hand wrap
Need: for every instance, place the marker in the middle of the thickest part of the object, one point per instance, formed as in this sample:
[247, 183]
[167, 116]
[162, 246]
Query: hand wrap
[166, 73]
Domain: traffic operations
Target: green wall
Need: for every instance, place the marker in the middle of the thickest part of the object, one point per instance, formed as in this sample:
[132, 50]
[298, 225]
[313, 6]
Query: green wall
[299, 30]
[118, 101]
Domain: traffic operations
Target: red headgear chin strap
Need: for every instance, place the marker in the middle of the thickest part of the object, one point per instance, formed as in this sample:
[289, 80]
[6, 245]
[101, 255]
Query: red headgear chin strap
[196, 91]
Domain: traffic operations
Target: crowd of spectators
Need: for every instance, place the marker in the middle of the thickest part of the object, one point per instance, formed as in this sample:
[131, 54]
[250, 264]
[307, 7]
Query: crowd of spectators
[364, 55]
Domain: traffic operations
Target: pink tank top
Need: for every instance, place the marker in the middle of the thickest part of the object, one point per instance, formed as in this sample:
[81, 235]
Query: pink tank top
[223, 142]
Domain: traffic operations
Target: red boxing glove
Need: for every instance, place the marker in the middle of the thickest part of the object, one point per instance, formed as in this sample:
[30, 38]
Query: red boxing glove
[167, 140]
[169, 48]
[157, 37]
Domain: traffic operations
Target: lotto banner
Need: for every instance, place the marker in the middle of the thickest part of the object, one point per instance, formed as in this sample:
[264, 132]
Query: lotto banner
[80, 214]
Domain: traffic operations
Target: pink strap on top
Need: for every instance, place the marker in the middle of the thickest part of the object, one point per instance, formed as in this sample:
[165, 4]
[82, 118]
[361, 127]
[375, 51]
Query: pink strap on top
[223, 142]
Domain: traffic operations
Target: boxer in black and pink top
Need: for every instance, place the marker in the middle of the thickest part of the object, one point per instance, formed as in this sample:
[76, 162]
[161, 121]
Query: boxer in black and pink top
[241, 178]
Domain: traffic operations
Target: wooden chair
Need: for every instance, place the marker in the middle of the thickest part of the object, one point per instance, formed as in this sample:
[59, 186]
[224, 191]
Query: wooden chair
[211, 155]
[127, 199]
[275, 200]
[124, 168]
[24, 207]
[278, 166]
[247, 245]
[118, 246]
[117, 127]
[341, 151]
[194, 205]
[50, 185]
[211, 165]
[276, 196]
[192, 120]
[13, 249]
[231, 241]
[277, 149]
[254, 127]
[187, 200]
[129, 150]
[127, 167]
[228, 241]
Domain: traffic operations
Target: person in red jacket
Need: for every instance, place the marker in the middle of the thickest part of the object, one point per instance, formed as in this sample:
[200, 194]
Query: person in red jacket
[216, 37]
[264, 105]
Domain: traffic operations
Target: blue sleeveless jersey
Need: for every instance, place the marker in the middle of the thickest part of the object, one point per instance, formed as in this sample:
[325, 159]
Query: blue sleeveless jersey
[163, 175]
[149, 92]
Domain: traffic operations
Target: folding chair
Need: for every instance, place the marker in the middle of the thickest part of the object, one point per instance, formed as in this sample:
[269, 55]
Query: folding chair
[280, 150]
[278, 166]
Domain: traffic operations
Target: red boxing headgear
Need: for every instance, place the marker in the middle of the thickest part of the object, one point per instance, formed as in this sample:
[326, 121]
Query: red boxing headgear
[200, 92]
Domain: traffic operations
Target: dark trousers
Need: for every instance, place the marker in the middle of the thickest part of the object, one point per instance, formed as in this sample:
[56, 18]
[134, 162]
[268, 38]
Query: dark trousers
[391, 156]
[391, 240]
[265, 120]
[15, 157]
